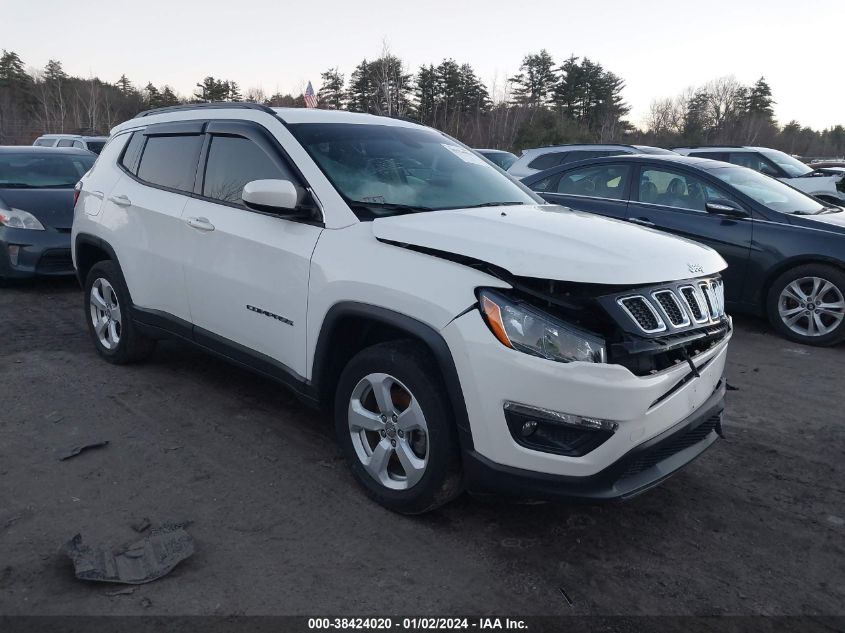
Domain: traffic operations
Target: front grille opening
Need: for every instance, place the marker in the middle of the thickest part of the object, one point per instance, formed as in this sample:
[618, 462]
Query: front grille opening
[665, 450]
[671, 307]
[642, 313]
[705, 290]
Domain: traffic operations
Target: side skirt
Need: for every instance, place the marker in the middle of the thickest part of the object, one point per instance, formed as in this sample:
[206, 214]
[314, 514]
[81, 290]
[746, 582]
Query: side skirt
[161, 325]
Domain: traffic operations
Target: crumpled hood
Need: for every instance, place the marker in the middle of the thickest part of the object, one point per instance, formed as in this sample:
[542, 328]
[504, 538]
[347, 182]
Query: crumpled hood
[553, 242]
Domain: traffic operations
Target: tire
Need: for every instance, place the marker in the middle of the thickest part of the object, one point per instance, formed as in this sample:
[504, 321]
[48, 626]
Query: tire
[117, 339]
[807, 304]
[418, 447]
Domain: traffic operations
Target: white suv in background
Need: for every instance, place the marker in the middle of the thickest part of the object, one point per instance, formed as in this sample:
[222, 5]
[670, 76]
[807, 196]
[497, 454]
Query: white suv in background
[538, 159]
[465, 334]
[826, 184]
[91, 143]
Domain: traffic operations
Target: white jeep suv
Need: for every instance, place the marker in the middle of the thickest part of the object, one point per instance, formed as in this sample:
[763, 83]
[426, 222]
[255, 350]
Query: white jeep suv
[466, 335]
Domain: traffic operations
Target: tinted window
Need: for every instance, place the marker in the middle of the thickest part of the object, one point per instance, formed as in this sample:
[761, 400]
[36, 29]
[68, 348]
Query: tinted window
[711, 155]
[545, 161]
[95, 146]
[578, 154]
[170, 161]
[35, 171]
[65, 142]
[754, 161]
[234, 161]
[677, 189]
[133, 150]
[502, 159]
[596, 181]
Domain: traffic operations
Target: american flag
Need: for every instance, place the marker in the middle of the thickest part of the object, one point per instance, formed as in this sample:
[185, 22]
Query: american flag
[310, 97]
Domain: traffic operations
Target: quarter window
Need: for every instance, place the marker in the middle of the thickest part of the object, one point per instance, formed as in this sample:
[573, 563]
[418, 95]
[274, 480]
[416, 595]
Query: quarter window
[170, 161]
[233, 161]
[677, 189]
[596, 181]
[65, 142]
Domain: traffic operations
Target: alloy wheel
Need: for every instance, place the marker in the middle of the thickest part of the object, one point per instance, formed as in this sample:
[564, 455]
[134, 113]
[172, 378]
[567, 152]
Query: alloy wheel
[105, 313]
[811, 306]
[389, 431]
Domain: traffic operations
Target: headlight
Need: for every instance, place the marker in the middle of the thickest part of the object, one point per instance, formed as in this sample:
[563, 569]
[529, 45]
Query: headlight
[18, 219]
[530, 330]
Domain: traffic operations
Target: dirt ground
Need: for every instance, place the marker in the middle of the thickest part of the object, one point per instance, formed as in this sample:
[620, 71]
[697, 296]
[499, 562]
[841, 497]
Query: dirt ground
[755, 526]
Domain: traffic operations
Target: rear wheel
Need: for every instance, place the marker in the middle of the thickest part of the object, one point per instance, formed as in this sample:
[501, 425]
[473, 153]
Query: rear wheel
[396, 428]
[107, 311]
[807, 304]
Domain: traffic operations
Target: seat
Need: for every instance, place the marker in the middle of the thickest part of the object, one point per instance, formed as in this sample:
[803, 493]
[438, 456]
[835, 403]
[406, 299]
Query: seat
[648, 191]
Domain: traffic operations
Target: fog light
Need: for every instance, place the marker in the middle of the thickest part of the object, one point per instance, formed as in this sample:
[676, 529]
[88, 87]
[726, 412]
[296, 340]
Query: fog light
[555, 432]
[14, 251]
[528, 428]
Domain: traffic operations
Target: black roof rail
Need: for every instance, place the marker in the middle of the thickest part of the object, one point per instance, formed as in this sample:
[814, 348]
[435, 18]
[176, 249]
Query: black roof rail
[210, 105]
[726, 145]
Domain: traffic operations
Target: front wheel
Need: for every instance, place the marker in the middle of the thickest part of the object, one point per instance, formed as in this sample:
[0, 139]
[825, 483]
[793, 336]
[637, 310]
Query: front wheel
[396, 428]
[807, 304]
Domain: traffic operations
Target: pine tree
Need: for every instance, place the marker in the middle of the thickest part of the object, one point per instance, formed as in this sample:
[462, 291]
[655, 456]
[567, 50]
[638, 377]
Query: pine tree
[152, 96]
[426, 93]
[168, 97]
[125, 86]
[361, 90]
[331, 95]
[53, 72]
[211, 89]
[233, 91]
[760, 100]
[12, 72]
[534, 85]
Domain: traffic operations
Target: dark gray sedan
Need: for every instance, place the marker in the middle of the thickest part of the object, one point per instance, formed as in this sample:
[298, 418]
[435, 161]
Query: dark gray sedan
[36, 209]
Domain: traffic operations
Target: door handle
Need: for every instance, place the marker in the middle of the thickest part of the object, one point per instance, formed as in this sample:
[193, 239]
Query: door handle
[120, 200]
[201, 224]
[641, 221]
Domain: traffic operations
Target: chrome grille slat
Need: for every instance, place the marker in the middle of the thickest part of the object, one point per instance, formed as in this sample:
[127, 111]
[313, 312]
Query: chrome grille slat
[671, 307]
[634, 306]
[695, 303]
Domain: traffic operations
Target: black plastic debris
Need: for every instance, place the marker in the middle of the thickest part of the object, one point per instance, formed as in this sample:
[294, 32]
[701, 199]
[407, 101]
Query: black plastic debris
[76, 450]
[730, 387]
[143, 561]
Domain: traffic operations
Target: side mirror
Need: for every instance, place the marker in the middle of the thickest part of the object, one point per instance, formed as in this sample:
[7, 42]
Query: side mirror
[273, 196]
[725, 208]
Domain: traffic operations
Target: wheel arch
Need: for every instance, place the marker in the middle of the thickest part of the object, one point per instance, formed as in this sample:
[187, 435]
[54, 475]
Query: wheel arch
[350, 327]
[88, 250]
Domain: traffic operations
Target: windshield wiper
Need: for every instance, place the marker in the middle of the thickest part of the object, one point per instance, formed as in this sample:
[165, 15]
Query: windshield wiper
[503, 203]
[16, 185]
[388, 206]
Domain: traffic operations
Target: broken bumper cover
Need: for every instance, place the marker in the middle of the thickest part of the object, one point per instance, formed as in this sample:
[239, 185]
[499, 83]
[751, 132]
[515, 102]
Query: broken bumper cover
[638, 470]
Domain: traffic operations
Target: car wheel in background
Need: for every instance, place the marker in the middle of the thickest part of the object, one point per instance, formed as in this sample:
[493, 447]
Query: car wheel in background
[396, 428]
[807, 304]
[107, 312]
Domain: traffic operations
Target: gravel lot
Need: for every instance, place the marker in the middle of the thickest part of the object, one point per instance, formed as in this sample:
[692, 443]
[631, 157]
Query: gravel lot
[755, 526]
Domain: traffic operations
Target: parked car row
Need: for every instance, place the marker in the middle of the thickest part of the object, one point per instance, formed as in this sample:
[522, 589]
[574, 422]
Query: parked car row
[91, 143]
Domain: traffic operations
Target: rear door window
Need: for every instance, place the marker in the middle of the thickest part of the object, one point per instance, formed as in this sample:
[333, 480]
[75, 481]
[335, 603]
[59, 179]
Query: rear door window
[711, 155]
[754, 161]
[171, 161]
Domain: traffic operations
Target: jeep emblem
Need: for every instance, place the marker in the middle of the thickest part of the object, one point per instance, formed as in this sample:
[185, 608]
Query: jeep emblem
[695, 268]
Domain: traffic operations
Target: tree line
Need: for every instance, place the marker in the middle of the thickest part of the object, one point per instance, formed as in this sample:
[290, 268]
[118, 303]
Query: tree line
[545, 102]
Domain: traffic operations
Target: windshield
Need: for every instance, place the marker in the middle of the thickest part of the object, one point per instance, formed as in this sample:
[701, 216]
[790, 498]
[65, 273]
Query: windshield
[767, 191]
[37, 171]
[389, 169]
[792, 166]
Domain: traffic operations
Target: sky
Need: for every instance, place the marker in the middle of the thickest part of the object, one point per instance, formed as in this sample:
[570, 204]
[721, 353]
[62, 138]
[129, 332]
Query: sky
[658, 47]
